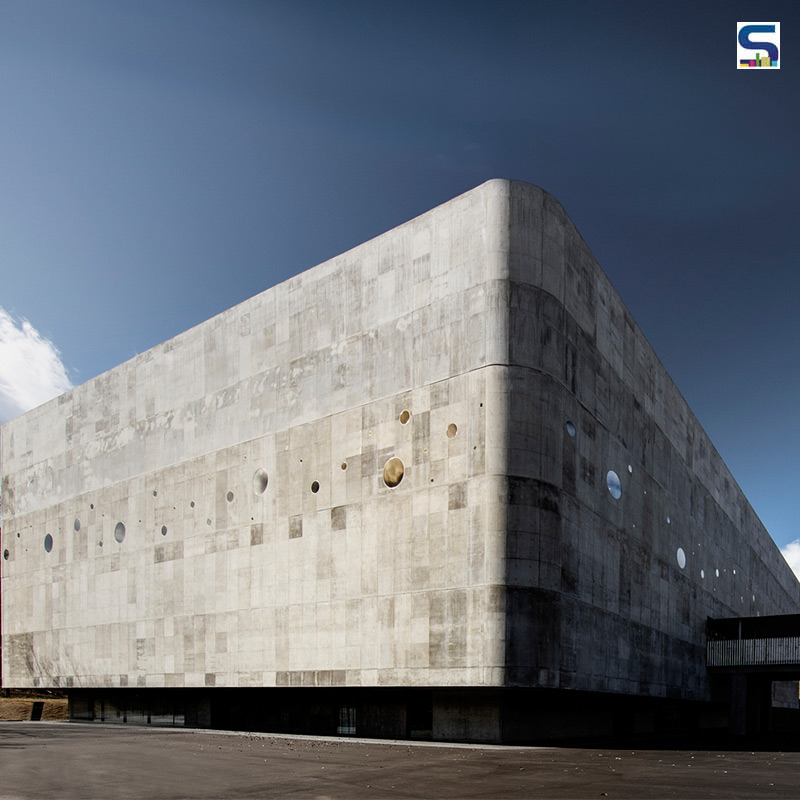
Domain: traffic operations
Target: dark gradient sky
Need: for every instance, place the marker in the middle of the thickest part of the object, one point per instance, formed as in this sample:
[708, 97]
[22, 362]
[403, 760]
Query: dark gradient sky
[162, 161]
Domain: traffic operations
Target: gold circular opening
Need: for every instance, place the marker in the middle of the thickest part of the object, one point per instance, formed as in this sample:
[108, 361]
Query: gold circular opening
[393, 472]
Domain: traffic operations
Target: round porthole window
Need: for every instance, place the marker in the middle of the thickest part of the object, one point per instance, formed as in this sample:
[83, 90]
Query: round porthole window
[452, 430]
[315, 487]
[614, 484]
[119, 532]
[393, 472]
[681, 556]
[260, 481]
[570, 426]
[404, 417]
[77, 525]
[48, 543]
[163, 530]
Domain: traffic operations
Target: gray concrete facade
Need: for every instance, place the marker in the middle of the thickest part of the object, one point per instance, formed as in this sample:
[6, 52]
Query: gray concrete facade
[445, 458]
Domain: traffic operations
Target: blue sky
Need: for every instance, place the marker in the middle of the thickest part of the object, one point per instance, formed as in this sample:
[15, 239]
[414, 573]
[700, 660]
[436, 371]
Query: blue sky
[162, 161]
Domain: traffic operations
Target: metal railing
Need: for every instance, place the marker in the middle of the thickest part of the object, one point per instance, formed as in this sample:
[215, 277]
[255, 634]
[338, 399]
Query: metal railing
[753, 652]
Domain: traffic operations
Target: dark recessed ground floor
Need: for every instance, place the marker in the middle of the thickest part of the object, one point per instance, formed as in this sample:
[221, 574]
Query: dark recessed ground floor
[505, 715]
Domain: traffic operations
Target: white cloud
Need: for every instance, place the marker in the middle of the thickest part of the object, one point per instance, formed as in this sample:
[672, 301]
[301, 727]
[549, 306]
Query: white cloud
[792, 555]
[31, 371]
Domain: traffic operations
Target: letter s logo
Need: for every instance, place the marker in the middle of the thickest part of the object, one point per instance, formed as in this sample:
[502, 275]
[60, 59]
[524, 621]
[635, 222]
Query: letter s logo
[747, 44]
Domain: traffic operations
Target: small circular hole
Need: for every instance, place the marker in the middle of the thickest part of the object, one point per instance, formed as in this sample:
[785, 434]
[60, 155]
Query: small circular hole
[77, 525]
[48, 543]
[208, 522]
[570, 426]
[191, 504]
[630, 468]
[229, 497]
[681, 556]
[404, 417]
[91, 505]
[452, 430]
[119, 532]
[315, 487]
[163, 530]
[344, 465]
[5, 554]
[155, 493]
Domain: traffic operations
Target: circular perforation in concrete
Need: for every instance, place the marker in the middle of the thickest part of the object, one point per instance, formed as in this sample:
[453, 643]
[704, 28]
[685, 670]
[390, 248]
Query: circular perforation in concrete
[570, 426]
[681, 556]
[452, 430]
[119, 532]
[48, 543]
[614, 484]
[393, 471]
[77, 525]
[405, 416]
[163, 530]
[6, 554]
[315, 487]
[260, 480]
[229, 497]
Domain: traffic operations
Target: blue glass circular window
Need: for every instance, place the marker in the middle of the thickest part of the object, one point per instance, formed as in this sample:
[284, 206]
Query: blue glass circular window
[614, 484]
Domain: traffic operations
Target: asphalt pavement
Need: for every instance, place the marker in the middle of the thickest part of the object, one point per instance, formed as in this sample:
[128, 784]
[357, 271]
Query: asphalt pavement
[86, 761]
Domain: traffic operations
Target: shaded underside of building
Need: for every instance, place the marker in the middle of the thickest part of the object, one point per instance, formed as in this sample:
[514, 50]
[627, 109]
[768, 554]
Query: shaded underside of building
[437, 486]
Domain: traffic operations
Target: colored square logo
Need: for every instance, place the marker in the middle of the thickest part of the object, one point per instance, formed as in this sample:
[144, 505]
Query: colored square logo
[758, 45]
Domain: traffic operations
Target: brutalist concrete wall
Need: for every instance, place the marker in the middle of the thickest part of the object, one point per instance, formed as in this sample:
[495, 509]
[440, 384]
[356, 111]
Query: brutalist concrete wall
[626, 529]
[214, 511]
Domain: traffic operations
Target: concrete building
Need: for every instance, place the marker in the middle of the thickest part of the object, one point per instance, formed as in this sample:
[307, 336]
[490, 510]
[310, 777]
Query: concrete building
[439, 485]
